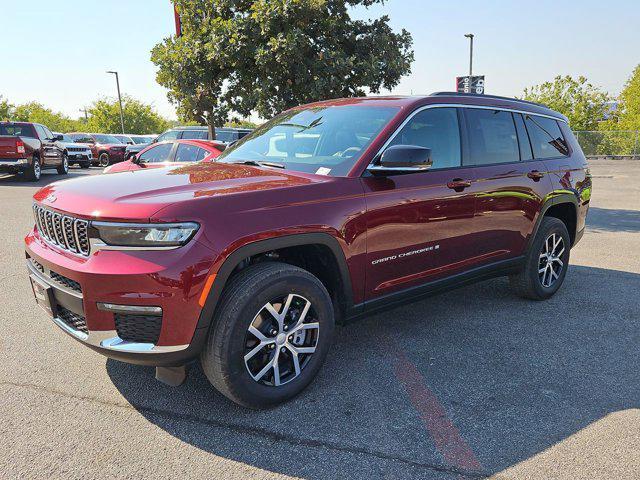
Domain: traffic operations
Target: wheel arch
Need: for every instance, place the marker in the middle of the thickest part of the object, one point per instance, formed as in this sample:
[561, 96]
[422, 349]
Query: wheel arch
[564, 207]
[329, 244]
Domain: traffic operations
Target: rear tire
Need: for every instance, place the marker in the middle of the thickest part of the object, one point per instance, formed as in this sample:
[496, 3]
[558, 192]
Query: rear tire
[63, 168]
[249, 355]
[546, 262]
[34, 171]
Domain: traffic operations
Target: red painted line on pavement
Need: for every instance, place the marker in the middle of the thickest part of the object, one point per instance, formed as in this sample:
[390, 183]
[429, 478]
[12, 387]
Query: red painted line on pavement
[446, 437]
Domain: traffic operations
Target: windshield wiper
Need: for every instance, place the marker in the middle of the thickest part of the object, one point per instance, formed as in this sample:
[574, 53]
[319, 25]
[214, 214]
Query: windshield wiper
[259, 164]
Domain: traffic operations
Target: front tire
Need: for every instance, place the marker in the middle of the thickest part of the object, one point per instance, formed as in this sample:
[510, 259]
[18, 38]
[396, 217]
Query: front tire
[63, 168]
[546, 262]
[103, 160]
[270, 335]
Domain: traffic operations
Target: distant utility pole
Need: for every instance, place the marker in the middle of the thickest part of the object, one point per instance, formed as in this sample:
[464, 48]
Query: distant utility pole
[86, 116]
[119, 100]
[470, 37]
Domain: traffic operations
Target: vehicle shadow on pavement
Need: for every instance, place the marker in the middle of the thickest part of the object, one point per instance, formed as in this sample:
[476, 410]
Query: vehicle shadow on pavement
[612, 220]
[470, 382]
[48, 176]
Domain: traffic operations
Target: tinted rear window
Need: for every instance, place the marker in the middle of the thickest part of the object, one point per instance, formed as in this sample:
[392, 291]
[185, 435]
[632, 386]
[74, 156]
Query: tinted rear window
[18, 130]
[547, 140]
[492, 137]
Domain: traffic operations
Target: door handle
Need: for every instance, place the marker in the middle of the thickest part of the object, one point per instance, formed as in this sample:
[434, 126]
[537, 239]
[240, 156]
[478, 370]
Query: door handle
[458, 184]
[535, 175]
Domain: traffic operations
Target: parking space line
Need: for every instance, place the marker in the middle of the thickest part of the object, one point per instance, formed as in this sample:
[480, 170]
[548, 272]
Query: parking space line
[446, 437]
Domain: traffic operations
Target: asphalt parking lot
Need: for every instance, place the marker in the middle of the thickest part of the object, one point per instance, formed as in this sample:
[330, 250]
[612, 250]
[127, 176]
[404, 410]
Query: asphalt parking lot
[469, 384]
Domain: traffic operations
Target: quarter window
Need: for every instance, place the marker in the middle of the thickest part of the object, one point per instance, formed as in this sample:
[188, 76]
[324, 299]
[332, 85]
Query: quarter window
[437, 129]
[492, 137]
[546, 138]
[159, 153]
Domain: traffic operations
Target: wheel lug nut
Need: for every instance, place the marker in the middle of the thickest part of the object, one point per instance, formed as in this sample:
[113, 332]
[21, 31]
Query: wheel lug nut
[286, 328]
[291, 338]
[273, 332]
[283, 349]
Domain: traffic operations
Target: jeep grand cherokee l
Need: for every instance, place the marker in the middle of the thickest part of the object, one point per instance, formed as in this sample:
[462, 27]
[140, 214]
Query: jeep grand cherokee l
[326, 213]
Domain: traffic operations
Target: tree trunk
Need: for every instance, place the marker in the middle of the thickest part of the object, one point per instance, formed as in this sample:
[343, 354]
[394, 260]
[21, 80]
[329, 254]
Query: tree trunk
[212, 128]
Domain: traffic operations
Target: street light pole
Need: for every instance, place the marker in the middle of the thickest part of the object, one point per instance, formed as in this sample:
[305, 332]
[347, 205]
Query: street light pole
[470, 37]
[119, 100]
[86, 117]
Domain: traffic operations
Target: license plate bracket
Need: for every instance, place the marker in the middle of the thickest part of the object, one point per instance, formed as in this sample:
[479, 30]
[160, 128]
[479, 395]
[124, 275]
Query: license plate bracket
[44, 295]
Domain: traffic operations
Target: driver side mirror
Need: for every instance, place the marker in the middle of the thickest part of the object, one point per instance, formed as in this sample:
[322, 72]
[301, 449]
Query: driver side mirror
[403, 158]
[58, 138]
[135, 159]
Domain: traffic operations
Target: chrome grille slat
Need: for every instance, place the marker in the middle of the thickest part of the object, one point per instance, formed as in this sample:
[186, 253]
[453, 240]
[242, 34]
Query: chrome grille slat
[69, 233]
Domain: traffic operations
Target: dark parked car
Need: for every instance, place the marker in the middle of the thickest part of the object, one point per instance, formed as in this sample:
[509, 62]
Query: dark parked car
[225, 135]
[30, 148]
[106, 149]
[76, 153]
[327, 213]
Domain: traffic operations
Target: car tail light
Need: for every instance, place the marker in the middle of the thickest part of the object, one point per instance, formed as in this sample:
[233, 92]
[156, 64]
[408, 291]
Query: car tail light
[20, 146]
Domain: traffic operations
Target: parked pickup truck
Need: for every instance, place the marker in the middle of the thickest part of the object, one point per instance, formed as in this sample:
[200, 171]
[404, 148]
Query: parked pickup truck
[29, 148]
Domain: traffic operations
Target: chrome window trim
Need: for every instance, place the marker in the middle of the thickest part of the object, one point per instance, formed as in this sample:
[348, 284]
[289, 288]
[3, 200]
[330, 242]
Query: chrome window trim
[377, 168]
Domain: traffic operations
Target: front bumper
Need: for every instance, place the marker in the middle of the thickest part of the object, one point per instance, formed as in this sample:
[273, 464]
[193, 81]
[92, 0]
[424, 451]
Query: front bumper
[79, 295]
[80, 156]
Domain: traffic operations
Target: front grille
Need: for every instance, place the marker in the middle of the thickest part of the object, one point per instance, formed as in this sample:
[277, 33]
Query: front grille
[73, 320]
[76, 149]
[68, 233]
[138, 328]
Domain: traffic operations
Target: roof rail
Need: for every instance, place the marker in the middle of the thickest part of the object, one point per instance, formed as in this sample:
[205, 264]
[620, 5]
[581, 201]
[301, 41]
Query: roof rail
[511, 99]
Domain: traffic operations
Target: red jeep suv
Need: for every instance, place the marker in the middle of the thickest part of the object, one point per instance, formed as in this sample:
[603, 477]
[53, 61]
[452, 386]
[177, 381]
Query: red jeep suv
[328, 212]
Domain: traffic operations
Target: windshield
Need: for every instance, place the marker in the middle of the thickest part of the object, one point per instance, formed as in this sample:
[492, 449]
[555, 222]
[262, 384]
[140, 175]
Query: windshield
[323, 140]
[139, 140]
[106, 139]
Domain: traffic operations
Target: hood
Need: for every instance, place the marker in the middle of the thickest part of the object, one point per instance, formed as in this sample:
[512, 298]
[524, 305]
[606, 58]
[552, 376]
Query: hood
[139, 194]
[86, 146]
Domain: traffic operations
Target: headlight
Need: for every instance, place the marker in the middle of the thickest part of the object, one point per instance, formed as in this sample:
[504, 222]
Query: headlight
[145, 235]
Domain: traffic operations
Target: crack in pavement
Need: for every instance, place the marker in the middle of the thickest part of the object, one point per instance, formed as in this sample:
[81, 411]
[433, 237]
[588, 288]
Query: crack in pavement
[255, 431]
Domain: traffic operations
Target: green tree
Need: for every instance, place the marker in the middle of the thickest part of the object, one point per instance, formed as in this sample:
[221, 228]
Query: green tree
[5, 109]
[582, 103]
[139, 118]
[270, 55]
[628, 114]
[38, 113]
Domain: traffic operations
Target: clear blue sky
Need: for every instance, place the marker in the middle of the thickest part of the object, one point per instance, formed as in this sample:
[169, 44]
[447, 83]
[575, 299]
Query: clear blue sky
[61, 57]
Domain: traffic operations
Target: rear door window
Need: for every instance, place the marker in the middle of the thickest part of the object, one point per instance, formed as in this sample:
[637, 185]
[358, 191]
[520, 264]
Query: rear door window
[159, 153]
[41, 133]
[546, 137]
[195, 134]
[523, 138]
[437, 129]
[492, 136]
[170, 135]
[189, 153]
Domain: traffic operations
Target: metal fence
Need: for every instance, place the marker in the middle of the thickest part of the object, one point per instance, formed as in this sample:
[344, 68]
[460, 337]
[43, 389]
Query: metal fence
[609, 143]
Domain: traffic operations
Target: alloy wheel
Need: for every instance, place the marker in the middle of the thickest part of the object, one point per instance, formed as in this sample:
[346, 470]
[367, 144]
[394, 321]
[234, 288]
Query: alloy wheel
[103, 160]
[281, 340]
[550, 263]
[65, 163]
